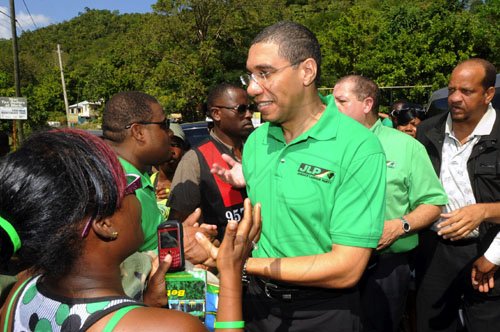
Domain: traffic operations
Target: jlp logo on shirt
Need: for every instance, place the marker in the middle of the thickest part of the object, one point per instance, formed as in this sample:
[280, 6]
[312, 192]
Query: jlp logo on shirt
[316, 173]
[390, 164]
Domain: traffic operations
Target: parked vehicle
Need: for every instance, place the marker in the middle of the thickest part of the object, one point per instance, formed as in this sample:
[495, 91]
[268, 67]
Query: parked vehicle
[438, 102]
[195, 132]
[97, 132]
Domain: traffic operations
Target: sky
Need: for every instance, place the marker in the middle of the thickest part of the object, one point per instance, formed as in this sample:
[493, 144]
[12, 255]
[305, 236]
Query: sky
[46, 12]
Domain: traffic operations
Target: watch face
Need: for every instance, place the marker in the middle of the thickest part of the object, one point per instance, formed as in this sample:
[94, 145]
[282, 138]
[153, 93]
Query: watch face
[406, 225]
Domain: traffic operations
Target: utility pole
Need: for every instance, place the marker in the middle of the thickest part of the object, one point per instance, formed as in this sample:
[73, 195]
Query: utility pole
[17, 127]
[63, 84]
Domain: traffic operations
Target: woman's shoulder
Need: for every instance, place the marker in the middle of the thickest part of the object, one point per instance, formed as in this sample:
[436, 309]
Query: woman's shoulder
[23, 278]
[153, 319]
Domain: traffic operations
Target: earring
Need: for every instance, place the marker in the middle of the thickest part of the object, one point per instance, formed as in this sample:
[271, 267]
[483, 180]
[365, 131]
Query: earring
[114, 235]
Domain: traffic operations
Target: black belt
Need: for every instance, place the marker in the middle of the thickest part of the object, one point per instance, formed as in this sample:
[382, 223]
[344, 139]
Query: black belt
[376, 257]
[288, 292]
[458, 243]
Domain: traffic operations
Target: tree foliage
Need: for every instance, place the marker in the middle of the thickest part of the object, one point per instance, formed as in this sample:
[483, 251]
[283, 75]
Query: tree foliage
[184, 47]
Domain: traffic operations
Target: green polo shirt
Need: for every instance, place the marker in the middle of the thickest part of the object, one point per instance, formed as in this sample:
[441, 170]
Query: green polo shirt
[151, 215]
[325, 187]
[411, 180]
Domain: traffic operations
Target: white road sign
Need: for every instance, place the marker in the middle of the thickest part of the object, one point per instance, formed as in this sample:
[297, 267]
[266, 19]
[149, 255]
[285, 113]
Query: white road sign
[13, 108]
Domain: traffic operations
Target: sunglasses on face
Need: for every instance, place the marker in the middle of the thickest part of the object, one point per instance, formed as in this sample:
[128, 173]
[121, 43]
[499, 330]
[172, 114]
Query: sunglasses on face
[130, 189]
[240, 109]
[165, 124]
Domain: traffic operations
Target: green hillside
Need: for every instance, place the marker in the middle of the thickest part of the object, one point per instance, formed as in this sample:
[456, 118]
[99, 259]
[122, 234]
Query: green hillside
[185, 47]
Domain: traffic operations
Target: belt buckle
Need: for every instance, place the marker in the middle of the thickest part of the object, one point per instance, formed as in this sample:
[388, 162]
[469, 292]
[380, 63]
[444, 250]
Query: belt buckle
[269, 287]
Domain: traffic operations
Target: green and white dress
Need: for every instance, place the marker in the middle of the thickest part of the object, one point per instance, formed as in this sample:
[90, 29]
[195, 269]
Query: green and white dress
[36, 309]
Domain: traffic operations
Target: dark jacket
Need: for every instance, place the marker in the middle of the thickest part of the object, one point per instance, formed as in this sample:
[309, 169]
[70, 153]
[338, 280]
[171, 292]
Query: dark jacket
[483, 165]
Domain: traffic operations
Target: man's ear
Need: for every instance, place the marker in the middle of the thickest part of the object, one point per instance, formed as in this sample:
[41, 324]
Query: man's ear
[215, 111]
[368, 105]
[309, 69]
[137, 132]
[104, 228]
[490, 93]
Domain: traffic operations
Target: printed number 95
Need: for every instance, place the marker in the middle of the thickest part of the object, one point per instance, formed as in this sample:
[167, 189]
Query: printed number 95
[235, 214]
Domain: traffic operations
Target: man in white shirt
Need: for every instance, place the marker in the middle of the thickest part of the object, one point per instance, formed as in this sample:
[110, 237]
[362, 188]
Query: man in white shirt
[462, 145]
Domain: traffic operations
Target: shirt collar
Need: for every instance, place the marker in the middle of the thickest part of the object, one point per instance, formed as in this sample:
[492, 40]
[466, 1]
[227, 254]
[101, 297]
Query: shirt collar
[376, 127]
[214, 136]
[483, 128]
[129, 168]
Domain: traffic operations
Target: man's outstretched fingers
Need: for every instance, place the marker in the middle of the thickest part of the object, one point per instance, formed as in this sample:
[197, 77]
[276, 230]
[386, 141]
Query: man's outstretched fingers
[229, 160]
[193, 218]
[254, 234]
[205, 243]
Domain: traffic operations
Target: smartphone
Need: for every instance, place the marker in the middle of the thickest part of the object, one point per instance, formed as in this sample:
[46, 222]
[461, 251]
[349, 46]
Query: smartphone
[170, 241]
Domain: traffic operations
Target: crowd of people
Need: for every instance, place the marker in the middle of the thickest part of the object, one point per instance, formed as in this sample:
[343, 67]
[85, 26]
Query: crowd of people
[322, 219]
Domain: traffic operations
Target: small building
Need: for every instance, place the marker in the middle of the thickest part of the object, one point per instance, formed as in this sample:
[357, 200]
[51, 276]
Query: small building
[84, 111]
[175, 117]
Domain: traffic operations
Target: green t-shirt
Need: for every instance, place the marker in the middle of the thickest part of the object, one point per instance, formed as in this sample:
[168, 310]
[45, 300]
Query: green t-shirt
[151, 215]
[325, 187]
[411, 179]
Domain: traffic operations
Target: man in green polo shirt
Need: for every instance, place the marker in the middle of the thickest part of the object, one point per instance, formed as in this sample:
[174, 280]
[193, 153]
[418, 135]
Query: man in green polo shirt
[414, 196]
[320, 177]
[135, 126]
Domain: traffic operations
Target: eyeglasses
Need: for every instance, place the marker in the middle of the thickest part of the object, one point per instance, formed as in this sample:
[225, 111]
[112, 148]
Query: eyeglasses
[262, 77]
[240, 109]
[135, 184]
[165, 124]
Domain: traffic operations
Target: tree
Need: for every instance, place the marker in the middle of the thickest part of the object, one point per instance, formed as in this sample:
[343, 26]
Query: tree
[208, 42]
[186, 46]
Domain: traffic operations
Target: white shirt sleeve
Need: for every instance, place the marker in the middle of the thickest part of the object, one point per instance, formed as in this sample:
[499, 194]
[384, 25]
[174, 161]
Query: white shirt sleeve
[493, 252]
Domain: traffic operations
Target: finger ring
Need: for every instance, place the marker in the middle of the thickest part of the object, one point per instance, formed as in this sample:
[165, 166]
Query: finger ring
[255, 246]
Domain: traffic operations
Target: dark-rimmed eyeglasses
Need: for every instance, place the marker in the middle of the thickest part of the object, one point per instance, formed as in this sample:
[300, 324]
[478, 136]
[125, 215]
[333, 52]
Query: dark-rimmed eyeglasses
[135, 184]
[165, 124]
[240, 109]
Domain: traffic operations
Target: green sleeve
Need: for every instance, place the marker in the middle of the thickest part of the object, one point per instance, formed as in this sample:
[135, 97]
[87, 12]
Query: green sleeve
[358, 216]
[425, 187]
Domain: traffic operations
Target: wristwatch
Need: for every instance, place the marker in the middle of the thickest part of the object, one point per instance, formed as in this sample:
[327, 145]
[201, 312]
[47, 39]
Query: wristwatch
[406, 225]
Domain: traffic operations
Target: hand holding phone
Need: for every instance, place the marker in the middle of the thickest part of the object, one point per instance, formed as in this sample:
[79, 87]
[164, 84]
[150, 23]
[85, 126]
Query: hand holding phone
[170, 241]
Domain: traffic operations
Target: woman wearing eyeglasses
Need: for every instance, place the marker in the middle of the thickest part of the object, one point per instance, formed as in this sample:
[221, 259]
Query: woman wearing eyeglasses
[66, 207]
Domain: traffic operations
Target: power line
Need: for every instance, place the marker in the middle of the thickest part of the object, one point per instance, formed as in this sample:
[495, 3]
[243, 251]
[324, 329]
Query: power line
[4, 14]
[32, 20]
[19, 24]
